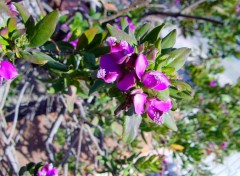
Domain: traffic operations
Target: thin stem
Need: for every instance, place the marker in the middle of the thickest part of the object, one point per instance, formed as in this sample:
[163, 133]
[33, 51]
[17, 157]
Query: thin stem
[78, 151]
[16, 112]
[176, 15]
[55, 51]
[125, 11]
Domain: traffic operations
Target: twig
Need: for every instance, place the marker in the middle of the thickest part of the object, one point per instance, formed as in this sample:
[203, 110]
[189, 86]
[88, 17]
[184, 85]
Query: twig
[192, 6]
[16, 112]
[10, 151]
[65, 169]
[4, 94]
[78, 151]
[125, 11]
[67, 153]
[54, 130]
[55, 51]
[94, 139]
[175, 15]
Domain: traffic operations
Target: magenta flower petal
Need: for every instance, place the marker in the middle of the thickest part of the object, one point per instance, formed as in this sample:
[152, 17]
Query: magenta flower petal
[155, 80]
[111, 40]
[130, 23]
[139, 101]
[48, 170]
[156, 108]
[13, 9]
[213, 83]
[42, 173]
[8, 70]
[224, 145]
[155, 115]
[163, 106]
[140, 65]
[111, 77]
[53, 172]
[109, 69]
[127, 82]
[121, 50]
[74, 43]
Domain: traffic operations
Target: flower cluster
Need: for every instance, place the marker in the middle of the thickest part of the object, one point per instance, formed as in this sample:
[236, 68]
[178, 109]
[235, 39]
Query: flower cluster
[48, 170]
[129, 70]
[7, 71]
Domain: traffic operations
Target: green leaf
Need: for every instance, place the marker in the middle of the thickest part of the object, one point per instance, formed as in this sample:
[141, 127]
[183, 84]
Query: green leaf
[185, 95]
[158, 44]
[181, 85]
[22, 170]
[168, 70]
[98, 51]
[44, 29]
[131, 126]
[153, 35]
[89, 60]
[142, 30]
[53, 64]
[163, 95]
[12, 25]
[99, 84]
[35, 57]
[120, 35]
[169, 40]
[5, 13]
[169, 121]
[98, 39]
[177, 58]
[123, 23]
[3, 41]
[62, 46]
[86, 38]
[174, 105]
[114, 92]
[30, 166]
[37, 167]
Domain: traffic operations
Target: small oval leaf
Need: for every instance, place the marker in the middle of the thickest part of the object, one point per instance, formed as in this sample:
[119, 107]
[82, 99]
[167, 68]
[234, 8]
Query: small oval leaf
[44, 29]
[131, 126]
[169, 40]
[153, 35]
[169, 121]
[120, 35]
[35, 57]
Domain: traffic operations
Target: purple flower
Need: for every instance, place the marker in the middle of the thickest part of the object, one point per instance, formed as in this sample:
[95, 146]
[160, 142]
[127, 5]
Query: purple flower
[156, 108]
[13, 9]
[109, 71]
[155, 80]
[120, 51]
[130, 23]
[74, 43]
[48, 170]
[127, 82]
[213, 83]
[177, 2]
[140, 65]
[238, 8]
[111, 40]
[139, 101]
[7, 71]
[224, 145]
